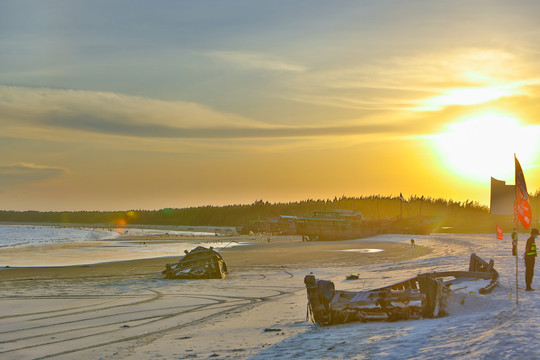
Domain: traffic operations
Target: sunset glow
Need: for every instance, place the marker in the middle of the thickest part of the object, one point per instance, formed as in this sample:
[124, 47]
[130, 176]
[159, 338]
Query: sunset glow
[470, 96]
[184, 104]
[483, 145]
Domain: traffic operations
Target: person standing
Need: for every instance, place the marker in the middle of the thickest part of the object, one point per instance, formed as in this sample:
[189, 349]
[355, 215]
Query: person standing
[530, 257]
[514, 242]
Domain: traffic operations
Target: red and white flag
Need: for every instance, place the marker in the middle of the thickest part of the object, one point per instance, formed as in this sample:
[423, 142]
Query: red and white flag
[522, 209]
[499, 233]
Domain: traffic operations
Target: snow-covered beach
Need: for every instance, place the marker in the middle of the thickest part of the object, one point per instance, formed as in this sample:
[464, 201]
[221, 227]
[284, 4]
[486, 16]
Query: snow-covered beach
[484, 327]
[127, 310]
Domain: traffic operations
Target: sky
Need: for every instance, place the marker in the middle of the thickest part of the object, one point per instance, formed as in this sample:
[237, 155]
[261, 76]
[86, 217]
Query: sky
[119, 105]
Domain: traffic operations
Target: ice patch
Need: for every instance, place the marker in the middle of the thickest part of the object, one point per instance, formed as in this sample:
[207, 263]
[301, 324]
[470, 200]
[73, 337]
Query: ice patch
[365, 251]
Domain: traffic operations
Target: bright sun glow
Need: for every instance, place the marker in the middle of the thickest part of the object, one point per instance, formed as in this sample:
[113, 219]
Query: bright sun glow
[484, 145]
[471, 96]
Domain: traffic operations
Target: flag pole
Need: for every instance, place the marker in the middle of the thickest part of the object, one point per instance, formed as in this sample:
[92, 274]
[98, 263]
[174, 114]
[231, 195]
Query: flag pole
[516, 222]
[522, 209]
[517, 233]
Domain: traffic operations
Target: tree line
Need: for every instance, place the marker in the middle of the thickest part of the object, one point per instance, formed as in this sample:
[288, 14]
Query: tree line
[235, 215]
[468, 216]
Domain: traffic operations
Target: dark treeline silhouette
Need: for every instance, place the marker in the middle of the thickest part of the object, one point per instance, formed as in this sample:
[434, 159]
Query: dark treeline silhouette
[468, 216]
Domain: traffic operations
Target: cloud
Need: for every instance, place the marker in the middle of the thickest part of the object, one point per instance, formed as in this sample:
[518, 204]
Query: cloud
[477, 95]
[424, 81]
[44, 104]
[61, 114]
[24, 173]
[57, 114]
[257, 61]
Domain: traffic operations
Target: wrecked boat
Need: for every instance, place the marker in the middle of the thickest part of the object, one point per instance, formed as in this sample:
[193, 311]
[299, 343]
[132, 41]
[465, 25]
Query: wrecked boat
[336, 225]
[424, 296]
[284, 225]
[348, 224]
[199, 263]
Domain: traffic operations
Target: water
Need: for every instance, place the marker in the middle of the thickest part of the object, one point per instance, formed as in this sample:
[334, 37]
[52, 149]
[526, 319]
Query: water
[28, 235]
[29, 245]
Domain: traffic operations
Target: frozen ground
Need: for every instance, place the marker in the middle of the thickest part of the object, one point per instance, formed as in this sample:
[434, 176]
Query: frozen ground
[484, 327]
[259, 312]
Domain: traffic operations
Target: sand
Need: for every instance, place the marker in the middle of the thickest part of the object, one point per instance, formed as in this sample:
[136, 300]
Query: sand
[125, 309]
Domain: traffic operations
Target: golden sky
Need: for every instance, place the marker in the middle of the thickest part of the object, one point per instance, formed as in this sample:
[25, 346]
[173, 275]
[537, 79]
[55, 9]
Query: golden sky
[105, 106]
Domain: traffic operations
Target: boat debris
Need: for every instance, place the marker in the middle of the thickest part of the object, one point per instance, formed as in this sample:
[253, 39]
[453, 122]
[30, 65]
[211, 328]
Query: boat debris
[424, 296]
[336, 225]
[347, 224]
[199, 263]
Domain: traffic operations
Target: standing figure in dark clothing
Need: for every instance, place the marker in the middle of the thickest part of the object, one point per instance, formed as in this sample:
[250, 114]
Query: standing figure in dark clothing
[530, 257]
[514, 242]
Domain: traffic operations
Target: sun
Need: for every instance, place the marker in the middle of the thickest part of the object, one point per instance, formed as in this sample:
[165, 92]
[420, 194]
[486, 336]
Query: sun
[484, 145]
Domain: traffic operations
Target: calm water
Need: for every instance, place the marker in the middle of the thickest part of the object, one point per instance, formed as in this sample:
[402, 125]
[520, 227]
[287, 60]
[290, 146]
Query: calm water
[29, 235]
[72, 249]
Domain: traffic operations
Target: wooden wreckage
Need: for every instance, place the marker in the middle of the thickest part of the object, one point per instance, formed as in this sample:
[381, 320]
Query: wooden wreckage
[424, 296]
[348, 224]
[199, 263]
[336, 225]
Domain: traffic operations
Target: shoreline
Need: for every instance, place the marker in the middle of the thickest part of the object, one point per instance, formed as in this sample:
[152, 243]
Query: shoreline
[128, 310]
[123, 248]
[227, 229]
[254, 251]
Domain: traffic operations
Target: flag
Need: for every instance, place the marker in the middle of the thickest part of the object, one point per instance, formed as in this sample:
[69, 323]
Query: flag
[499, 233]
[522, 209]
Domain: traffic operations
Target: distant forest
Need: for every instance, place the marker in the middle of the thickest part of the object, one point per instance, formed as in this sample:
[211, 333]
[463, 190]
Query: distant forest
[451, 216]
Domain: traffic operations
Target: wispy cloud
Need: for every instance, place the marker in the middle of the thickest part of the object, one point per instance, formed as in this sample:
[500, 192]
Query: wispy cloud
[25, 172]
[413, 82]
[477, 95]
[27, 112]
[258, 61]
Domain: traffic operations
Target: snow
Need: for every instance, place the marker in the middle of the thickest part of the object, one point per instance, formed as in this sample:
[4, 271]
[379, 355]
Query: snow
[488, 326]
